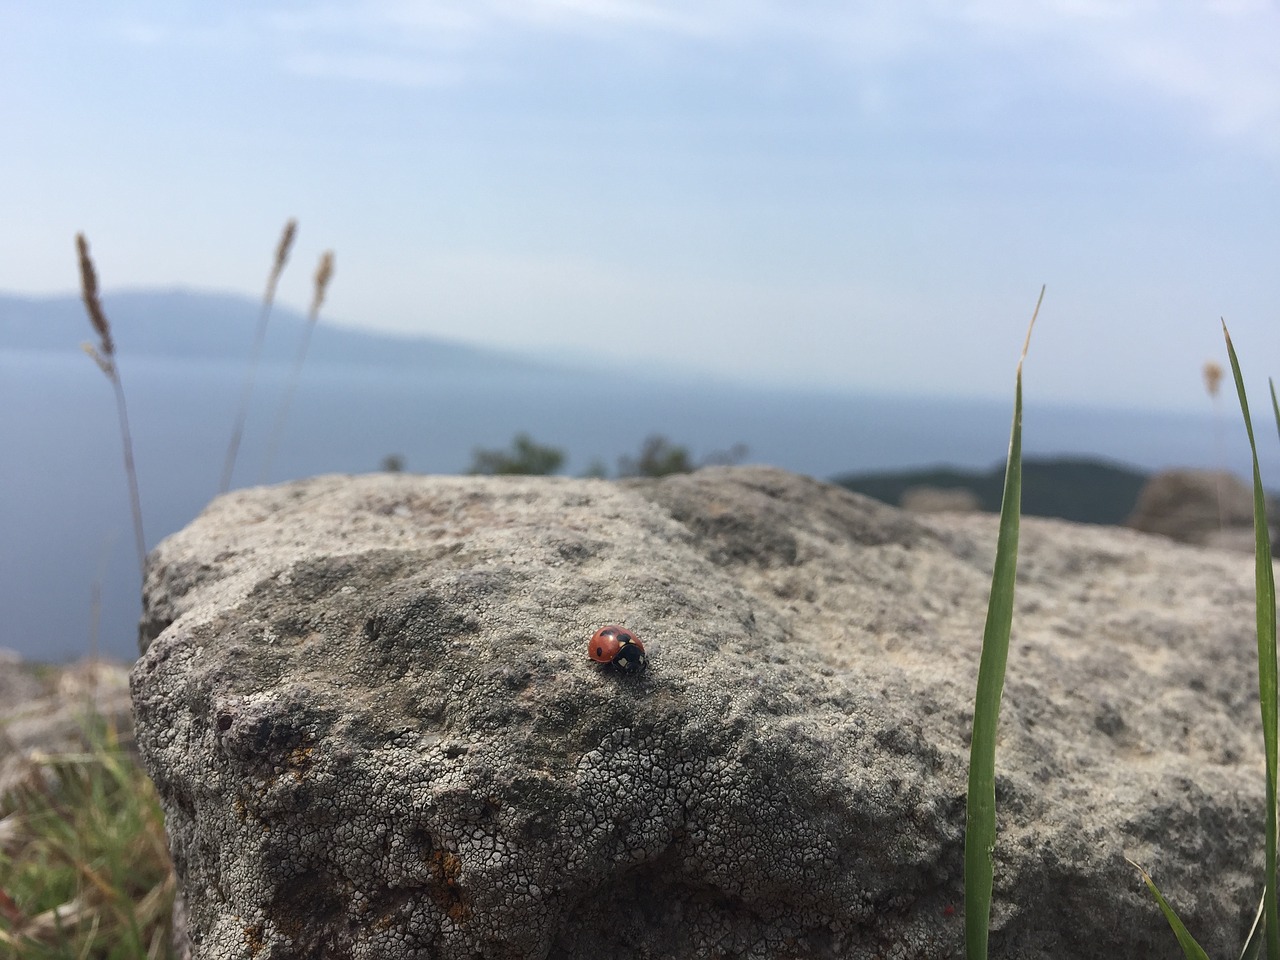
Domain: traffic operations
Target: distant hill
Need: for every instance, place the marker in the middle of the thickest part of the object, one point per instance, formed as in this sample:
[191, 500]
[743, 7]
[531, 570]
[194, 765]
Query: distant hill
[214, 326]
[1086, 491]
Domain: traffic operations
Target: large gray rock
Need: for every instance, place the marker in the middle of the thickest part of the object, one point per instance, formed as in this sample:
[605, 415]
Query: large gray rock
[371, 717]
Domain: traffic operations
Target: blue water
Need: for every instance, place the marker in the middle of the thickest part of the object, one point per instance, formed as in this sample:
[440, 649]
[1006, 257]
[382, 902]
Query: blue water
[65, 520]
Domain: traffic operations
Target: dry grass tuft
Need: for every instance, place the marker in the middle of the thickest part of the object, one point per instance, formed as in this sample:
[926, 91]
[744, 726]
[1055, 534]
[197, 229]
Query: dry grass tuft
[84, 863]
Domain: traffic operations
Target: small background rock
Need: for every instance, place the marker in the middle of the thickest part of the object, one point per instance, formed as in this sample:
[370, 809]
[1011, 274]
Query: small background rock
[1196, 506]
[940, 500]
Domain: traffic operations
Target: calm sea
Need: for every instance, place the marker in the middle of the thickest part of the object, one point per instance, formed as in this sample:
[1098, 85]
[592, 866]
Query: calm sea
[64, 515]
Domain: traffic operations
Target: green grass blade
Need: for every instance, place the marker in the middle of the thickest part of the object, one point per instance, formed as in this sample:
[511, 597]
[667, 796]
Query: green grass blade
[980, 820]
[1265, 592]
[1253, 945]
[1190, 949]
[1275, 407]
[1252, 948]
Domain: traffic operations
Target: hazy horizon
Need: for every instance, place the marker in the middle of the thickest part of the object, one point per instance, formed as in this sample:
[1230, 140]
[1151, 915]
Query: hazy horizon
[236, 342]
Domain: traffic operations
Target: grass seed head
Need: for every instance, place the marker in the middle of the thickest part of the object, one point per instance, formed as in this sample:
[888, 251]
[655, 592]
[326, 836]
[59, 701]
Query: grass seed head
[1212, 376]
[89, 291]
[323, 274]
[286, 243]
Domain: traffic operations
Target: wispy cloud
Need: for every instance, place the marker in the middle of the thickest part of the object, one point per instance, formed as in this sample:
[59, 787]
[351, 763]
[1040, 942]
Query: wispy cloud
[1213, 59]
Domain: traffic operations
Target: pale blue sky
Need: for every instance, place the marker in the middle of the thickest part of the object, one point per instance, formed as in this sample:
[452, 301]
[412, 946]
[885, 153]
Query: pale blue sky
[848, 195]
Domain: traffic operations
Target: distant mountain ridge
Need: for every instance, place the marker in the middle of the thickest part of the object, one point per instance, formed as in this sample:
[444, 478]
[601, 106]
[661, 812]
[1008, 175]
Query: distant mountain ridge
[198, 325]
[1083, 490]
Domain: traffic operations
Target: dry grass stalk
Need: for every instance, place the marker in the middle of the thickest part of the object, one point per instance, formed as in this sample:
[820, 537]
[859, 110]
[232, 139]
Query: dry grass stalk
[104, 355]
[1212, 372]
[268, 299]
[324, 273]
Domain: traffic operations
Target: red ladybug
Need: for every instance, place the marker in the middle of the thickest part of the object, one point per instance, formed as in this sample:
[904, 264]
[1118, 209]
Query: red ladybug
[618, 646]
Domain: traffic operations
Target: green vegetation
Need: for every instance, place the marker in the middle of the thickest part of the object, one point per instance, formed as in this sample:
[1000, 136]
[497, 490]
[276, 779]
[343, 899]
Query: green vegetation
[980, 825]
[658, 457]
[524, 458]
[980, 818]
[1083, 491]
[84, 864]
[1266, 925]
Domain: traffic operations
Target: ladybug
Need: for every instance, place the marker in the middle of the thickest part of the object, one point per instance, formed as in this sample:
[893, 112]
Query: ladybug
[618, 646]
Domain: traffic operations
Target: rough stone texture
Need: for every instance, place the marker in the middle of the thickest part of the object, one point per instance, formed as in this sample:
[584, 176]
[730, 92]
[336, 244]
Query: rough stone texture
[1204, 507]
[370, 714]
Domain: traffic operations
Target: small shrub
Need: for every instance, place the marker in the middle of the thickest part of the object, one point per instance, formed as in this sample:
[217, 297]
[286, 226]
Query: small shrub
[524, 458]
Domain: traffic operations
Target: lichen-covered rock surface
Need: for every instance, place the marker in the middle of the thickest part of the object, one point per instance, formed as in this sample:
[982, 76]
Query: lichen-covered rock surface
[368, 707]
